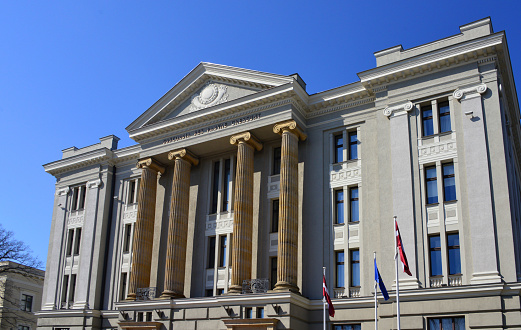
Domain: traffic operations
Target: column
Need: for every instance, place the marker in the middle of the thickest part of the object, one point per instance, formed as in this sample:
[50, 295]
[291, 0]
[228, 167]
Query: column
[403, 195]
[178, 224]
[288, 207]
[144, 230]
[479, 197]
[243, 210]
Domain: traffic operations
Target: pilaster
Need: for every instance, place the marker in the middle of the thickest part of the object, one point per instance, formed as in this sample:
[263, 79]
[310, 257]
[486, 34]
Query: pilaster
[481, 218]
[178, 223]
[243, 210]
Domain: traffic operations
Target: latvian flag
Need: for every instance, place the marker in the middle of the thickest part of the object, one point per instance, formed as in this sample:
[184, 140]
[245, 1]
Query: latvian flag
[325, 293]
[399, 246]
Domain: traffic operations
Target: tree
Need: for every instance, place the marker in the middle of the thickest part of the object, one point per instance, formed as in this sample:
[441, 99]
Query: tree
[18, 267]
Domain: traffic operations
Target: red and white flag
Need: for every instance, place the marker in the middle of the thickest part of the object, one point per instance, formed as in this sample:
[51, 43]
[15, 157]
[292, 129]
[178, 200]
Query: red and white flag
[325, 293]
[400, 250]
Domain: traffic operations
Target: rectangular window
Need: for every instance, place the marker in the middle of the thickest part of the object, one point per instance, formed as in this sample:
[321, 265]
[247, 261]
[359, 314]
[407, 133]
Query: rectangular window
[273, 272]
[123, 288]
[354, 211]
[78, 198]
[340, 280]
[260, 312]
[339, 148]
[70, 238]
[226, 186]
[427, 122]
[355, 268]
[65, 288]
[128, 237]
[23, 327]
[275, 216]
[447, 323]
[454, 254]
[353, 145]
[209, 293]
[444, 115]
[27, 303]
[431, 183]
[72, 288]
[339, 206]
[77, 241]
[211, 252]
[222, 254]
[215, 187]
[276, 161]
[248, 311]
[435, 255]
[449, 182]
[347, 327]
[133, 187]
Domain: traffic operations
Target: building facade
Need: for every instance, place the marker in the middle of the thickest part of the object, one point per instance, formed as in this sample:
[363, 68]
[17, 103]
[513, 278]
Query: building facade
[246, 186]
[20, 295]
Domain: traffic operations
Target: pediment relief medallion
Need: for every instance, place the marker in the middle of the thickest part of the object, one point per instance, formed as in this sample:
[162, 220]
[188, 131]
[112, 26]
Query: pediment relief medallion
[211, 94]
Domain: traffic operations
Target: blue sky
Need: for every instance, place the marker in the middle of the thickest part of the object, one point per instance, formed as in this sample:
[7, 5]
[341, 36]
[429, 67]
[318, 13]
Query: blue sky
[74, 71]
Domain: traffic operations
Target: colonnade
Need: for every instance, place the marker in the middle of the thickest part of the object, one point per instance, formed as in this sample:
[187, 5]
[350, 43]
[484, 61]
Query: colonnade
[241, 259]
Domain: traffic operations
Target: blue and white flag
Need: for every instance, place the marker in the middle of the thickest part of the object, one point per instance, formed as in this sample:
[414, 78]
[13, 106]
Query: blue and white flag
[378, 279]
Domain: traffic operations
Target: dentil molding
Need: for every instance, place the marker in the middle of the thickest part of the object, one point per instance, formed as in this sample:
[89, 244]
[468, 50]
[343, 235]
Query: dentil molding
[463, 93]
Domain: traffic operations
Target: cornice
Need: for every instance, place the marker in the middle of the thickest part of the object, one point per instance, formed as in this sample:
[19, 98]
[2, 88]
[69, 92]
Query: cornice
[74, 162]
[482, 47]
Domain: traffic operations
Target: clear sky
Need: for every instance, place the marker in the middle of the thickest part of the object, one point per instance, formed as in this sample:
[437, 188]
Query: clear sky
[74, 71]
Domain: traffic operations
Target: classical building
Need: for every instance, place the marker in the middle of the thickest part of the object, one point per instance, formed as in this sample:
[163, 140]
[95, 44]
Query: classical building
[20, 295]
[246, 186]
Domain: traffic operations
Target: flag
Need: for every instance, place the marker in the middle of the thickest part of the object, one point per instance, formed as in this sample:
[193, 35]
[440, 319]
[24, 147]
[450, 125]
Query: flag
[325, 293]
[378, 279]
[401, 251]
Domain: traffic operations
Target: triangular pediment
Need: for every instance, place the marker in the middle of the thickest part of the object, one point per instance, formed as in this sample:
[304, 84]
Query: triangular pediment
[206, 86]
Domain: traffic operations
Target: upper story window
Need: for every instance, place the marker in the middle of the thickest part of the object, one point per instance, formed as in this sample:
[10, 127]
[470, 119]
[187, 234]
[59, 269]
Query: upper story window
[276, 161]
[133, 189]
[78, 198]
[339, 206]
[347, 327]
[449, 182]
[444, 116]
[221, 187]
[427, 121]
[353, 145]
[73, 241]
[435, 255]
[340, 279]
[355, 268]
[454, 254]
[127, 239]
[339, 148]
[27, 303]
[431, 183]
[353, 205]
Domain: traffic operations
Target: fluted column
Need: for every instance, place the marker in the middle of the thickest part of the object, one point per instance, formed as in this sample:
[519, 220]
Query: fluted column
[243, 210]
[144, 231]
[178, 224]
[287, 254]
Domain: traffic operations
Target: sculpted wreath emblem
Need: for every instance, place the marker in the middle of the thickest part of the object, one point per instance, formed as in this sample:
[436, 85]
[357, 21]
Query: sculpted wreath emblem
[212, 94]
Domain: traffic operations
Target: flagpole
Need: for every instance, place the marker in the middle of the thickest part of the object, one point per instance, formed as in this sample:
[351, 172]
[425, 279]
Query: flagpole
[375, 296]
[397, 282]
[324, 299]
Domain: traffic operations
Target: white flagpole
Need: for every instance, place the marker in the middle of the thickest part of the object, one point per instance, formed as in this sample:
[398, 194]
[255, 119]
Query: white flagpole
[375, 296]
[397, 282]
[324, 298]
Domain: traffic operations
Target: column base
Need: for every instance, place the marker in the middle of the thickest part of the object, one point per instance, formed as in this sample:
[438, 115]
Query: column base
[235, 289]
[286, 287]
[131, 297]
[167, 294]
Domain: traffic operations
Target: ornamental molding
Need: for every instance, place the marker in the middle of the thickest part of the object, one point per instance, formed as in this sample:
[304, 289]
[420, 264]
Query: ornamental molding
[94, 184]
[76, 220]
[79, 161]
[437, 152]
[469, 92]
[340, 107]
[407, 106]
[211, 94]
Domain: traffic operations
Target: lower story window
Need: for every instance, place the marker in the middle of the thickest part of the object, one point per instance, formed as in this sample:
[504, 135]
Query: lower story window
[347, 327]
[446, 323]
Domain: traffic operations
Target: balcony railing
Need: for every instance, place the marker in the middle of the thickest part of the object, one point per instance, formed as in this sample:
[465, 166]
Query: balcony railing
[436, 281]
[354, 292]
[340, 293]
[455, 280]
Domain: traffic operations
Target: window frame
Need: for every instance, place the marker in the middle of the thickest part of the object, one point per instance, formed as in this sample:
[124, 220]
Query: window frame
[26, 302]
[352, 263]
[352, 202]
[350, 155]
[453, 247]
[438, 251]
[431, 179]
[275, 206]
[223, 246]
[339, 219]
[447, 177]
[338, 148]
[276, 161]
[440, 105]
[340, 269]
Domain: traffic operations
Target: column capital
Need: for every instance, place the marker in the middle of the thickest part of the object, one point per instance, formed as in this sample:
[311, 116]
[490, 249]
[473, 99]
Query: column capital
[152, 164]
[289, 126]
[248, 138]
[185, 155]
[398, 108]
[469, 92]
